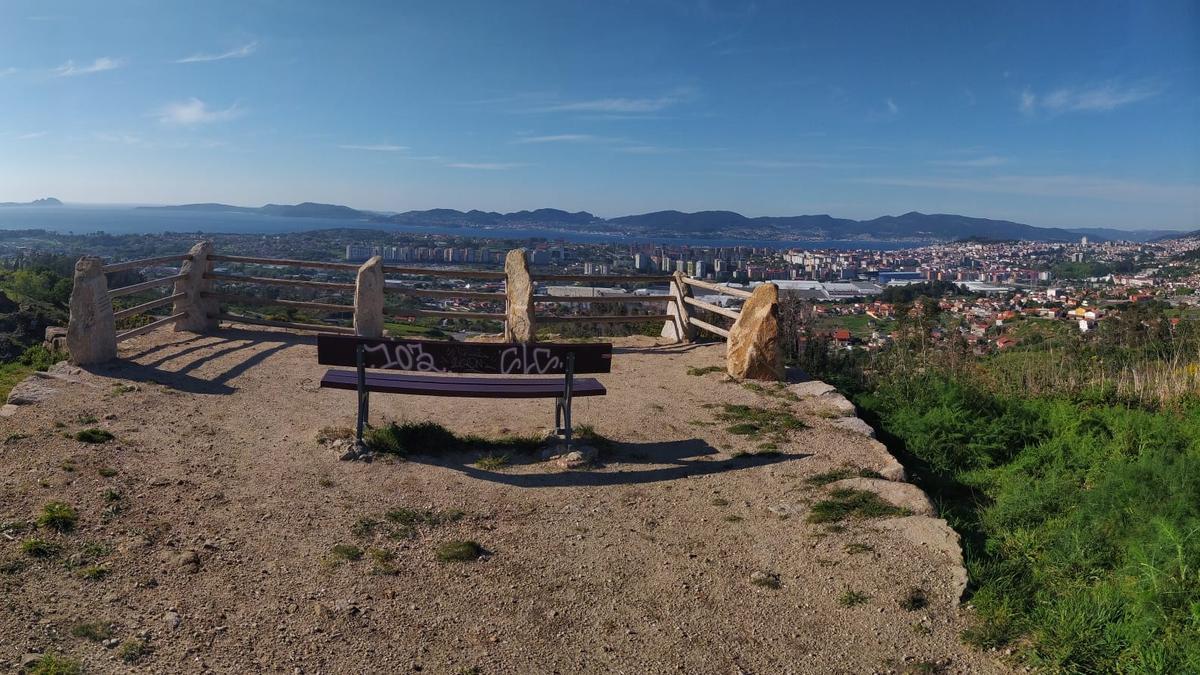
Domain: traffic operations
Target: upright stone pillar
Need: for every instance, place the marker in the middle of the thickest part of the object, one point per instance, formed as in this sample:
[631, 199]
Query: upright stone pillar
[91, 329]
[201, 311]
[754, 350]
[678, 327]
[368, 299]
[518, 287]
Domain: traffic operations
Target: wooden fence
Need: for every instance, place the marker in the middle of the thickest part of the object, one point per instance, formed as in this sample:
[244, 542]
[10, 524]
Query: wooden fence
[197, 295]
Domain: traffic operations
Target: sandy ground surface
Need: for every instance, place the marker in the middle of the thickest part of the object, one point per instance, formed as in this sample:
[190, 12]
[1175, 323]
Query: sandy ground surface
[214, 512]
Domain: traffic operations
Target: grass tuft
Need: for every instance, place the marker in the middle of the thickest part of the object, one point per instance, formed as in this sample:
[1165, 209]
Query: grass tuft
[846, 503]
[459, 551]
[132, 650]
[58, 516]
[697, 372]
[40, 548]
[833, 476]
[492, 462]
[93, 435]
[345, 553]
[851, 598]
[96, 631]
[55, 664]
[755, 421]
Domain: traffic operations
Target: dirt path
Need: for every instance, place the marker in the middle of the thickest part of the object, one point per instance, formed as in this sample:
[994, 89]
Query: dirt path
[215, 513]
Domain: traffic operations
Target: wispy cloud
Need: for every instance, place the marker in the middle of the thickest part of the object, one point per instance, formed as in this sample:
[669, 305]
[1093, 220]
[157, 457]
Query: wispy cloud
[1089, 187]
[974, 163]
[485, 166]
[5, 72]
[32, 135]
[777, 164]
[69, 69]
[378, 147]
[623, 104]
[893, 109]
[561, 138]
[1100, 98]
[193, 112]
[237, 53]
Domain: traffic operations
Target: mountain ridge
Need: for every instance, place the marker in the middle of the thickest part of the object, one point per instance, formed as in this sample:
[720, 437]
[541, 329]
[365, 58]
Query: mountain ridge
[912, 226]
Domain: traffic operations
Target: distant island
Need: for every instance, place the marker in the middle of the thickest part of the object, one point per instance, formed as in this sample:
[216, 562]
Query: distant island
[48, 201]
[909, 227]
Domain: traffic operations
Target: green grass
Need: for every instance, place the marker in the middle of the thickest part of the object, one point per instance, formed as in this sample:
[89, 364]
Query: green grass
[133, 650]
[93, 572]
[58, 516]
[697, 372]
[93, 435]
[96, 631]
[833, 476]
[345, 553]
[55, 664]
[459, 551]
[755, 421]
[1079, 517]
[852, 598]
[846, 503]
[40, 548]
[492, 462]
[854, 548]
[431, 438]
[10, 375]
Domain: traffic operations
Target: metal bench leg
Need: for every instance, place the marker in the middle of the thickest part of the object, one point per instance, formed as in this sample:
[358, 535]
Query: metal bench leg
[568, 385]
[364, 399]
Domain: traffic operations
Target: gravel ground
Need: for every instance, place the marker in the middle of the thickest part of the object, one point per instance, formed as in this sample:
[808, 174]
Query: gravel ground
[214, 513]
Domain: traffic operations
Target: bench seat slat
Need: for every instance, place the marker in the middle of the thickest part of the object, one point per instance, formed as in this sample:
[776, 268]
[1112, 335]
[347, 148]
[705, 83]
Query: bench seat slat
[474, 387]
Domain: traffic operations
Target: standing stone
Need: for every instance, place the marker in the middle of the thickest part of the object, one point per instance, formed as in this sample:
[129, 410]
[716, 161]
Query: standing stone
[91, 330]
[368, 299]
[201, 311]
[518, 324]
[754, 350]
[678, 328]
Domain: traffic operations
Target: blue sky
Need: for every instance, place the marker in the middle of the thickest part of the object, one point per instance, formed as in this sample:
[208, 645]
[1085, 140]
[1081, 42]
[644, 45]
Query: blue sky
[1060, 113]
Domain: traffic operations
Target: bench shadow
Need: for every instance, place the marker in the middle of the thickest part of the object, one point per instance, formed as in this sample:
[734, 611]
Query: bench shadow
[692, 457]
[221, 345]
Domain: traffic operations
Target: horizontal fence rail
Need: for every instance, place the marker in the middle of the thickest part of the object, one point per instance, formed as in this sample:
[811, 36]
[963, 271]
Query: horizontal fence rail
[294, 304]
[254, 321]
[144, 262]
[145, 285]
[717, 288]
[271, 281]
[142, 330]
[147, 306]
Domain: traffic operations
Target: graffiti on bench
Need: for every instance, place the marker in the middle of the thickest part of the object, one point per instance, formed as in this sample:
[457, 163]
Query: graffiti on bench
[464, 357]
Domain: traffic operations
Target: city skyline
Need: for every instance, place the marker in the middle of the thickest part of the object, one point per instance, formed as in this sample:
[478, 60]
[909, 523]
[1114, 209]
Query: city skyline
[1068, 116]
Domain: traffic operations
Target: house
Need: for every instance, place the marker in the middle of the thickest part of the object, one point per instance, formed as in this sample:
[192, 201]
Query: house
[1004, 342]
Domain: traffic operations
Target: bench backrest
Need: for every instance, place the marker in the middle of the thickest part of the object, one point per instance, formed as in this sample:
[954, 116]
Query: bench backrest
[463, 357]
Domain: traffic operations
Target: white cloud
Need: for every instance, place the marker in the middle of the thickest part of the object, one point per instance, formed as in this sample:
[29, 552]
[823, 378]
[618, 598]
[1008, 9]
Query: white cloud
[1088, 187]
[69, 69]
[560, 138]
[31, 135]
[624, 105]
[485, 166]
[1086, 99]
[1028, 102]
[379, 147]
[892, 107]
[194, 111]
[5, 72]
[975, 163]
[238, 53]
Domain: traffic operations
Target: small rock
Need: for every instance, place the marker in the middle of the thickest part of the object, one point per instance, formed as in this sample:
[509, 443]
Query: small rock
[854, 425]
[30, 660]
[190, 561]
[111, 643]
[581, 456]
[172, 620]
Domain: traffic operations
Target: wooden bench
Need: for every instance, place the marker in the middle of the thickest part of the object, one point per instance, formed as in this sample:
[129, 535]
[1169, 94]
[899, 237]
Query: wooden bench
[426, 362]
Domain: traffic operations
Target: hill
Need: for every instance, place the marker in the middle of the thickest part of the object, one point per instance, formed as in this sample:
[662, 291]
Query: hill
[303, 210]
[48, 201]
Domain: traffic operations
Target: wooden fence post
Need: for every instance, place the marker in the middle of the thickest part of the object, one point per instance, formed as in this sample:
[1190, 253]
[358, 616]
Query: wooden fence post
[679, 327]
[91, 329]
[368, 299]
[201, 310]
[518, 289]
[754, 350]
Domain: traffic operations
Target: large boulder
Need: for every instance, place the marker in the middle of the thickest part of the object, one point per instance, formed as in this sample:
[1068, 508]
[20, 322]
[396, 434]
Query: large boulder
[518, 323]
[755, 351]
[368, 299]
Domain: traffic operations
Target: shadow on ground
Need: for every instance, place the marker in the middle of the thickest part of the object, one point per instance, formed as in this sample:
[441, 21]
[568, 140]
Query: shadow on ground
[692, 457]
[173, 372]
